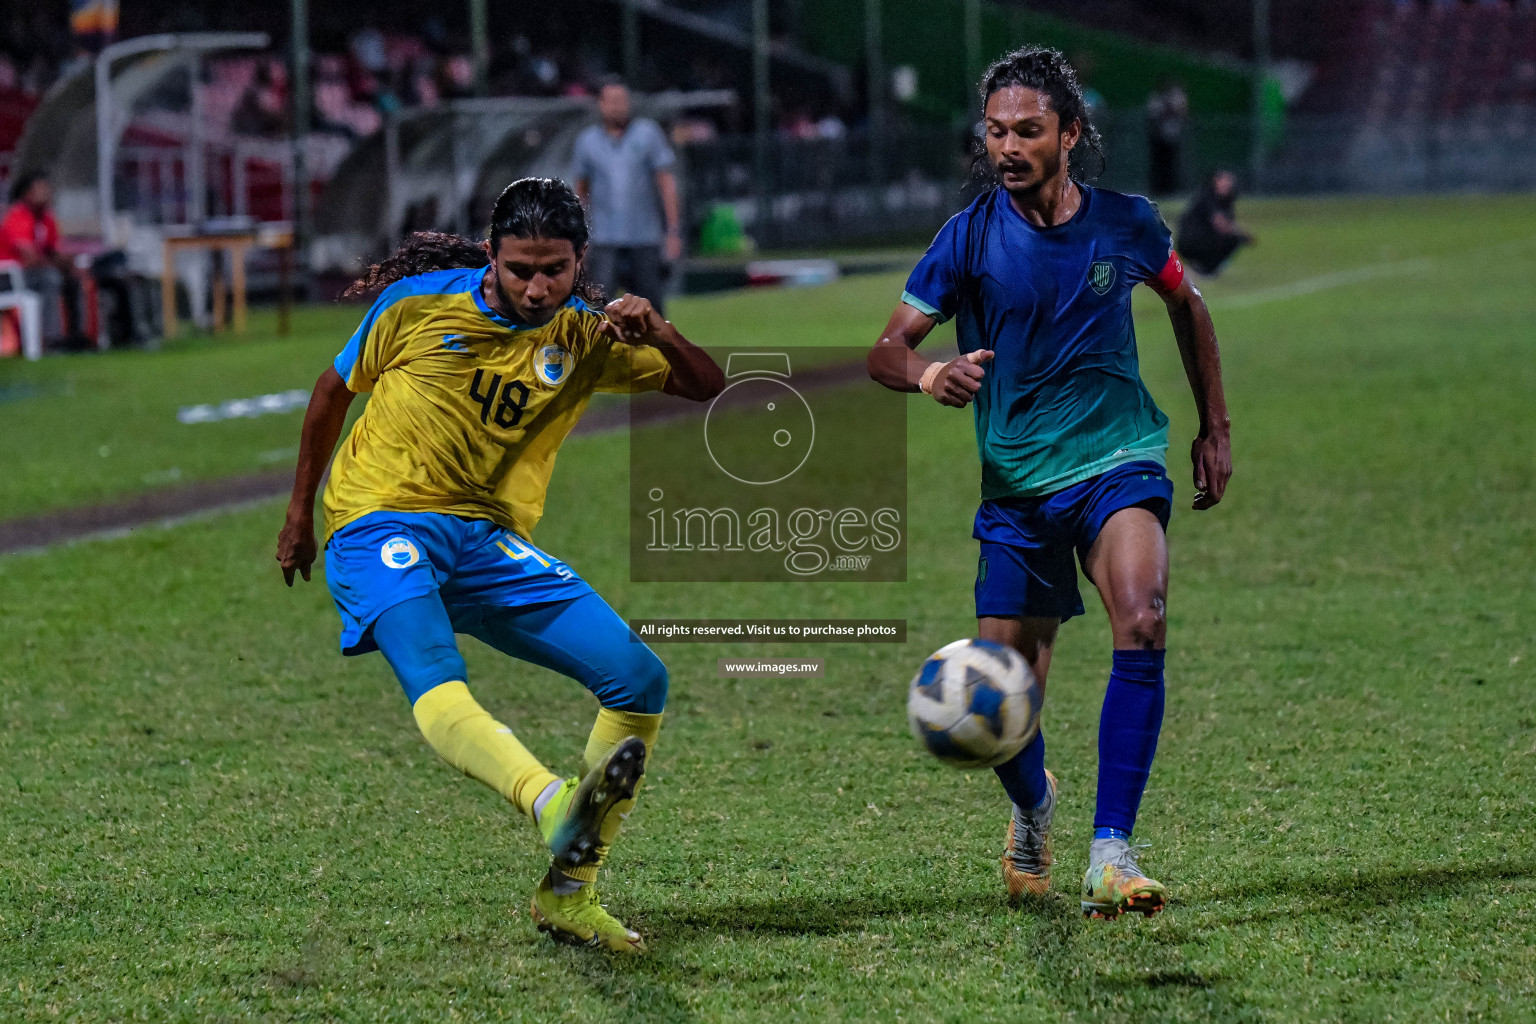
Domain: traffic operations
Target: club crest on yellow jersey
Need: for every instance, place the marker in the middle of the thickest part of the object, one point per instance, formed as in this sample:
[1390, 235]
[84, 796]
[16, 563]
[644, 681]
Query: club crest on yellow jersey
[551, 363]
[468, 408]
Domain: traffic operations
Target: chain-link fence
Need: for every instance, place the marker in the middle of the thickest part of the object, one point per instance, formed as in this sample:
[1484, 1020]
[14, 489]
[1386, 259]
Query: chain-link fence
[855, 190]
[817, 192]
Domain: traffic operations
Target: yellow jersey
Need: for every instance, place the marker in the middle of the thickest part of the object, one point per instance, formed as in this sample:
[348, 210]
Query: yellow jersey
[468, 408]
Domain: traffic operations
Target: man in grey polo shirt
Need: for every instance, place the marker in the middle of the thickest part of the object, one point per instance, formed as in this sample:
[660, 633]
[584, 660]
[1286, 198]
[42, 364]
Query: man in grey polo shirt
[622, 170]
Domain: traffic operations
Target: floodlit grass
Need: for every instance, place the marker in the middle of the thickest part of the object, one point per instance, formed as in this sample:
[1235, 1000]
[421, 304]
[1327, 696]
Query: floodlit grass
[212, 816]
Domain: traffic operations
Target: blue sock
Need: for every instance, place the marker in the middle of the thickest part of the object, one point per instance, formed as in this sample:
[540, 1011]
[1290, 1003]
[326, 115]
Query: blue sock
[1023, 776]
[1128, 728]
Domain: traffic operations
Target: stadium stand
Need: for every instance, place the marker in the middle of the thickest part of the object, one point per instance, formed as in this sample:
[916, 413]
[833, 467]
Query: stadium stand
[1418, 95]
[1417, 60]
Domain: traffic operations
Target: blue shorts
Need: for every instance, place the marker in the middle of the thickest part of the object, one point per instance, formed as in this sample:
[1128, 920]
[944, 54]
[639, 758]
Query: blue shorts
[387, 558]
[1026, 563]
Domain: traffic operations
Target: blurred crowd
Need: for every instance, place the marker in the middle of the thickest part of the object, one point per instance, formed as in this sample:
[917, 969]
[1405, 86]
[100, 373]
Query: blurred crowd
[376, 72]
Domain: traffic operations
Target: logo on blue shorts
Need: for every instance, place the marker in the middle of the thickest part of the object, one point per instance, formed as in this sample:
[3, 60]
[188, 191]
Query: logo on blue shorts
[399, 553]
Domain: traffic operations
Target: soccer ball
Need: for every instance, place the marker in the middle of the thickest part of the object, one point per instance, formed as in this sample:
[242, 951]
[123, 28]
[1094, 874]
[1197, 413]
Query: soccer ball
[974, 704]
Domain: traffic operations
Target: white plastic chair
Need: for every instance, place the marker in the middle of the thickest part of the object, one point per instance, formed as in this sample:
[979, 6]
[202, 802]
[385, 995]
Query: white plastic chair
[28, 306]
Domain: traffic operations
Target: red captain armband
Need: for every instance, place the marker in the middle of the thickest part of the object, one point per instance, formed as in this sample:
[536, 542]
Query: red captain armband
[1172, 274]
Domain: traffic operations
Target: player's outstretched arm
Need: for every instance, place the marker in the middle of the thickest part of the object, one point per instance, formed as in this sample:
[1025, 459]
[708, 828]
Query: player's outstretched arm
[895, 363]
[323, 420]
[1211, 452]
[695, 375]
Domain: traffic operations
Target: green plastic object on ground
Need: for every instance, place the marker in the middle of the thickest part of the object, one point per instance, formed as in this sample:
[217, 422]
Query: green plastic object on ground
[721, 234]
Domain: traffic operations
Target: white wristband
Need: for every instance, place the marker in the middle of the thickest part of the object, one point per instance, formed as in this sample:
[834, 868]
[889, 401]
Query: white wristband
[926, 384]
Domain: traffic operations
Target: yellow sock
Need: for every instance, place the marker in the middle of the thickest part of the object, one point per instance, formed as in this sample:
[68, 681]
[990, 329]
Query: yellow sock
[467, 737]
[612, 727]
[608, 731]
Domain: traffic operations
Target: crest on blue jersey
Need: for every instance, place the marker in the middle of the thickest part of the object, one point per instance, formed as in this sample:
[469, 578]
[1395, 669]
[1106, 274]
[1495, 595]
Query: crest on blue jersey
[551, 363]
[1101, 276]
[399, 553]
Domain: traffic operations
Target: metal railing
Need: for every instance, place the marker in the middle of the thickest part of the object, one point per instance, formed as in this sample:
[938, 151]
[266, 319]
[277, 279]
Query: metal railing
[856, 189]
[806, 192]
[1489, 149]
[246, 179]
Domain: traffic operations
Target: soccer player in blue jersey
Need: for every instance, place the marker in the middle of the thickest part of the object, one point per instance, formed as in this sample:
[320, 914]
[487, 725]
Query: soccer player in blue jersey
[1037, 274]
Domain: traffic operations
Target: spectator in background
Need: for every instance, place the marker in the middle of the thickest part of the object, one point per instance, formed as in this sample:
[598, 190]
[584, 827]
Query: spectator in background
[370, 50]
[423, 82]
[1208, 231]
[1167, 113]
[830, 127]
[456, 77]
[263, 108]
[29, 235]
[798, 125]
[622, 170]
[335, 108]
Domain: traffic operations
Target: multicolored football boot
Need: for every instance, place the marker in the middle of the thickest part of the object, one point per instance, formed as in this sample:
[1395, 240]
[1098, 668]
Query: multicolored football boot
[578, 919]
[1114, 885]
[1027, 854]
[572, 821]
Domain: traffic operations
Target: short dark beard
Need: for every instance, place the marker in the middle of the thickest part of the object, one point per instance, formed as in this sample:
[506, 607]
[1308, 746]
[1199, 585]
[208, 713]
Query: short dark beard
[508, 307]
[500, 302]
[504, 307]
[1047, 176]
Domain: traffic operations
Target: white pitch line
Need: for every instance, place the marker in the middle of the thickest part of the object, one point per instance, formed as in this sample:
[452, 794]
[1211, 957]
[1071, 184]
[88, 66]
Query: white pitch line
[1354, 275]
[1322, 283]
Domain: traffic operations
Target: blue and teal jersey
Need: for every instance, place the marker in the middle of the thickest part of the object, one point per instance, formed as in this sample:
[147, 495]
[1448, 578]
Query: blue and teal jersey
[1062, 400]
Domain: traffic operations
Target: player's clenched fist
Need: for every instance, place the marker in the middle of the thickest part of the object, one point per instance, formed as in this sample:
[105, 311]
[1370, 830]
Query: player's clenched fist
[956, 382]
[1211, 454]
[631, 318]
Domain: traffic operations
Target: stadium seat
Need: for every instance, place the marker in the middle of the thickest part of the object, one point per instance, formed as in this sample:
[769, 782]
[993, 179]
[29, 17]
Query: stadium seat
[28, 306]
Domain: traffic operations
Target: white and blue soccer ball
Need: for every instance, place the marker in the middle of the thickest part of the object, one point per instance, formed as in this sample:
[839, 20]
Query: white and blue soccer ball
[974, 704]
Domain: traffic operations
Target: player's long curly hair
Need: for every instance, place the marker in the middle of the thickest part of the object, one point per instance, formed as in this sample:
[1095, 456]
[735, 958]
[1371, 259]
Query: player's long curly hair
[527, 208]
[1046, 70]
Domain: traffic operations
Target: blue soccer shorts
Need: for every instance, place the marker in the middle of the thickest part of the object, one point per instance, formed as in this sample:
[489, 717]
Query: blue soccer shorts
[422, 577]
[1027, 544]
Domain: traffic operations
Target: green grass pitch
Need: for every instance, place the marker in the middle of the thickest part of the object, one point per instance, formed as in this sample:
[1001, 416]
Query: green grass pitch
[209, 815]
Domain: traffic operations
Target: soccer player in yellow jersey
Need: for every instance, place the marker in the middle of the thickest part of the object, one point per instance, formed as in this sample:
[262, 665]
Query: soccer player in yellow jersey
[480, 359]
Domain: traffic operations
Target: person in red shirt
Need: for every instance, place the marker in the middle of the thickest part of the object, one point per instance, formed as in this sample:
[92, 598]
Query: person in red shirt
[29, 235]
